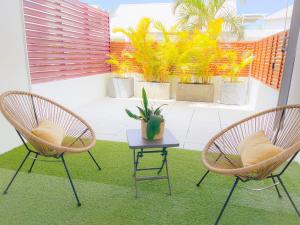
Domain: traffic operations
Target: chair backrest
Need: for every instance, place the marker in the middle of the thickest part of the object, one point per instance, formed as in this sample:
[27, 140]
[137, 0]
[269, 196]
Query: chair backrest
[26, 110]
[282, 127]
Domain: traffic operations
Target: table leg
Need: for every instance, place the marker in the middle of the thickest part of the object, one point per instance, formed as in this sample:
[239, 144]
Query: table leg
[134, 171]
[136, 162]
[164, 155]
[133, 162]
[167, 172]
[139, 154]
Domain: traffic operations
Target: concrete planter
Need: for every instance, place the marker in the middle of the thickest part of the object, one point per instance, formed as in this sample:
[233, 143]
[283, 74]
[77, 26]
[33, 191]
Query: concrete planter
[154, 90]
[195, 92]
[233, 93]
[120, 87]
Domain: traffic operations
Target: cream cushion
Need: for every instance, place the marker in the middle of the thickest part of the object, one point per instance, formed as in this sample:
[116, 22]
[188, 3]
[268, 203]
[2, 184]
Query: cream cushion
[257, 148]
[49, 132]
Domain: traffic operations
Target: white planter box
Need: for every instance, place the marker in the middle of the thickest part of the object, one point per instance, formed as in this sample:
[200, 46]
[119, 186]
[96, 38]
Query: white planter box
[233, 93]
[120, 87]
[154, 90]
[195, 92]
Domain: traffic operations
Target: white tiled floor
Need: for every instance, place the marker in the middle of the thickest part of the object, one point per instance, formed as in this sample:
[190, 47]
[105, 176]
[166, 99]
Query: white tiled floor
[192, 123]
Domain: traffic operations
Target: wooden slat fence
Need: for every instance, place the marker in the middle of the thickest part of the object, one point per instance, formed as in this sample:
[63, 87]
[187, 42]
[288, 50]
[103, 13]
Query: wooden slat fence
[65, 39]
[269, 59]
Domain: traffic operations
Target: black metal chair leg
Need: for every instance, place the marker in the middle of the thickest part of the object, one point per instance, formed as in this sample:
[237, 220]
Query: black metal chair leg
[70, 179]
[99, 168]
[274, 182]
[202, 178]
[288, 195]
[36, 155]
[8, 186]
[227, 200]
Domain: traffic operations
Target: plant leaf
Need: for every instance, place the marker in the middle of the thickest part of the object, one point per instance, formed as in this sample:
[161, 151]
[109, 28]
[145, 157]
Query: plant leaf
[145, 100]
[143, 114]
[130, 114]
[158, 111]
[153, 126]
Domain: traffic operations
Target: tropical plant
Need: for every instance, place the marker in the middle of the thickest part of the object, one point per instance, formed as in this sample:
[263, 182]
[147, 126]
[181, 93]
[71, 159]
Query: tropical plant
[122, 65]
[197, 14]
[143, 51]
[167, 51]
[152, 117]
[156, 59]
[201, 51]
[179, 52]
[235, 64]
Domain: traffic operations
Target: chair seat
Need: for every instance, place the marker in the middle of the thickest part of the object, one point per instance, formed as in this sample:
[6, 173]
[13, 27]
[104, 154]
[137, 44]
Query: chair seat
[282, 127]
[26, 110]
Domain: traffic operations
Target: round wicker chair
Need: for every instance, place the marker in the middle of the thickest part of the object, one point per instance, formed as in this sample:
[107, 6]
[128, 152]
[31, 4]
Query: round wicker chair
[282, 127]
[26, 110]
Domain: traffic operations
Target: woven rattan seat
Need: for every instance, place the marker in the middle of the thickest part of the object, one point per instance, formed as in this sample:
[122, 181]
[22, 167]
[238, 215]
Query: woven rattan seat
[26, 110]
[282, 127]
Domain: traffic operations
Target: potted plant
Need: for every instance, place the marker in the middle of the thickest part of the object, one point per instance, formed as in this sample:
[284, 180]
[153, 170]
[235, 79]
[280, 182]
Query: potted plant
[152, 121]
[120, 85]
[152, 57]
[233, 90]
[200, 52]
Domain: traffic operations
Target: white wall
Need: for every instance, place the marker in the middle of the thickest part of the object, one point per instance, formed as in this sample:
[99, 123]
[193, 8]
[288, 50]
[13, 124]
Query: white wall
[76, 92]
[13, 63]
[261, 96]
[294, 96]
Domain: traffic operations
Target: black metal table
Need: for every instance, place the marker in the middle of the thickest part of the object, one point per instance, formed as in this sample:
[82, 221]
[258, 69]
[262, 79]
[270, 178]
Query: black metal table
[138, 144]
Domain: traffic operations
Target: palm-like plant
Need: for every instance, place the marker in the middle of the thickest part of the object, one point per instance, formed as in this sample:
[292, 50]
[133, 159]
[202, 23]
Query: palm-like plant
[122, 64]
[167, 51]
[144, 53]
[156, 59]
[198, 52]
[197, 14]
[235, 64]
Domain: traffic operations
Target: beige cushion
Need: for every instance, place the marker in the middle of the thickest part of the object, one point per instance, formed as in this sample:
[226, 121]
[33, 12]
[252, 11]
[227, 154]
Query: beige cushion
[257, 148]
[50, 132]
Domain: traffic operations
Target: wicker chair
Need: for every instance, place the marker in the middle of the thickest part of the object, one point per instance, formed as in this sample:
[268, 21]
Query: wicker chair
[281, 125]
[26, 110]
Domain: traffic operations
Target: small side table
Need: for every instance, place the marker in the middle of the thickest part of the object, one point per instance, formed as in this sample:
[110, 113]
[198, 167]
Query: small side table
[138, 144]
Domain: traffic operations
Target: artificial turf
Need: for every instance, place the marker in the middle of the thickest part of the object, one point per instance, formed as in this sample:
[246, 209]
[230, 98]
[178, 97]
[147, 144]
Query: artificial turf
[44, 196]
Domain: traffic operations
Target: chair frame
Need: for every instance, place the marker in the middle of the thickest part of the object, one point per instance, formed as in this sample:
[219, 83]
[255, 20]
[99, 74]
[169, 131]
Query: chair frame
[238, 179]
[62, 149]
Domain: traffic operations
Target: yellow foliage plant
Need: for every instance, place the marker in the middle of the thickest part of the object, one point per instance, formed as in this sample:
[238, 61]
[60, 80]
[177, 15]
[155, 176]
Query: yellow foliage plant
[122, 65]
[199, 51]
[167, 52]
[157, 59]
[144, 52]
[179, 52]
[205, 51]
[232, 69]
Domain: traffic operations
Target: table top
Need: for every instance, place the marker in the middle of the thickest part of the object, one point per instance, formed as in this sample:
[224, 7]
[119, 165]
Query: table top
[136, 141]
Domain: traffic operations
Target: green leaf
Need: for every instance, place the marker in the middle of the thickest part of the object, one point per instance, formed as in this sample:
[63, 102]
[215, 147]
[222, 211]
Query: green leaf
[145, 100]
[158, 111]
[153, 126]
[130, 114]
[143, 114]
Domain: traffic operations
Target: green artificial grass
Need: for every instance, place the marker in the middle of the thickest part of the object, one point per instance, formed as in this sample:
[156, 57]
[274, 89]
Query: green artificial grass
[107, 196]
